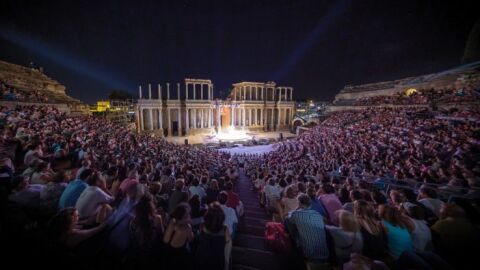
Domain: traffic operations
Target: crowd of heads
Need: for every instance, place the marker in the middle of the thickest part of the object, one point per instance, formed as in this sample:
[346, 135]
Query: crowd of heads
[401, 180]
[420, 97]
[10, 93]
[84, 179]
[370, 187]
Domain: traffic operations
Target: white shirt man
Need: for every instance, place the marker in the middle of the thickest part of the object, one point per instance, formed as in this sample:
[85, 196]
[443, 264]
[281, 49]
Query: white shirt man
[230, 216]
[92, 197]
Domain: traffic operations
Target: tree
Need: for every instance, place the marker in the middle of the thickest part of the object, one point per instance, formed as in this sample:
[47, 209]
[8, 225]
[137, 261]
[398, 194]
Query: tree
[119, 95]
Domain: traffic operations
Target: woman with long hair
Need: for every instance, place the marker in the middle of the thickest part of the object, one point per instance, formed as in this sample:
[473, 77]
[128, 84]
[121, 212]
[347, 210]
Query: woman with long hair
[347, 237]
[212, 252]
[177, 238]
[288, 203]
[147, 226]
[397, 228]
[374, 238]
[145, 229]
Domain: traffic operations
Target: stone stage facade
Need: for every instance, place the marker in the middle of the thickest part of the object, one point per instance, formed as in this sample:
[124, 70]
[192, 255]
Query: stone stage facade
[192, 109]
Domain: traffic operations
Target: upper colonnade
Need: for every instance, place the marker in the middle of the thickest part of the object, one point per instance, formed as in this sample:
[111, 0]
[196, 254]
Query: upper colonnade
[258, 91]
[195, 89]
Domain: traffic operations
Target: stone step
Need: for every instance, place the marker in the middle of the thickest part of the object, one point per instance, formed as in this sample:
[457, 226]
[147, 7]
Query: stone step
[255, 221]
[250, 241]
[255, 258]
[256, 214]
[242, 267]
[253, 230]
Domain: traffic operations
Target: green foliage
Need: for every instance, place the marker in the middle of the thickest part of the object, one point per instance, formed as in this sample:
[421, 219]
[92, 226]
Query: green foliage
[119, 95]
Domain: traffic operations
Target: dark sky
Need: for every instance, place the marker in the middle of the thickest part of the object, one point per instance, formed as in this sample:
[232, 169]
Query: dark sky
[315, 46]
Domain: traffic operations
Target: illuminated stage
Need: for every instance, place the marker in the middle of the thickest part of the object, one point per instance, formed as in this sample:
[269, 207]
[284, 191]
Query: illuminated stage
[230, 135]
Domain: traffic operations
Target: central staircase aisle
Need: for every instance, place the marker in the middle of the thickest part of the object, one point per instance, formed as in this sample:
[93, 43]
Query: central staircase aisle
[249, 249]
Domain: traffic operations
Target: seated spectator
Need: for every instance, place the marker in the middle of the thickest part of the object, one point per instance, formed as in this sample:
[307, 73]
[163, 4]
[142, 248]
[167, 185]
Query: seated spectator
[50, 194]
[64, 230]
[195, 189]
[214, 242]
[93, 198]
[177, 237]
[455, 237]
[373, 234]
[315, 204]
[25, 194]
[428, 197]
[212, 191]
[233, 200]
[74, 189]
[421, 235]
[308, 230]
[330, 200]
[178, 196]
[347, 238]
[272, 193]
[146, 232]
[34, 153]
[231, 219]
[197, 212]
[397, 228]
[355, 195]
[288, 203]
[42, 174]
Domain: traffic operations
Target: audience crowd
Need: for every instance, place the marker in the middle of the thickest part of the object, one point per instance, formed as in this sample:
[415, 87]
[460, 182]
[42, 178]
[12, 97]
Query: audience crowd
[420, 97]
[10, 93]
[377, 189]
[84, 187]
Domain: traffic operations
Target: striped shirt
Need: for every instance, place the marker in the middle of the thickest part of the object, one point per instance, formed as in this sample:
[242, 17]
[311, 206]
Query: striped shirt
[310, 233]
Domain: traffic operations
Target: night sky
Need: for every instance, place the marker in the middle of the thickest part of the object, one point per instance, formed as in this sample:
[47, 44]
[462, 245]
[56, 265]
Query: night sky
[317, 46]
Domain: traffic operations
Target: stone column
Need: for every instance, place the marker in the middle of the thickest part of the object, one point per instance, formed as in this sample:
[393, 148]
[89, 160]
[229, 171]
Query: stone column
[278, 117]
[149, 91]
[250, 93]
[159, 92]
[250, 117]
[291, 94]
[194, 92]
[169, 122]
[210, 117]
[187, 121]
[272, 123]
[201, 91]
[273, 93]
[243, 117]
[232, 112]
[202, 120]
[150, 112]
[178, 91]
[168, 94]
[160, 119]
[140, 120]
[179, 119]
[140, 92]
[280, 94]
[261, 117]
[186, 91]
[209, 92]
[194, 118]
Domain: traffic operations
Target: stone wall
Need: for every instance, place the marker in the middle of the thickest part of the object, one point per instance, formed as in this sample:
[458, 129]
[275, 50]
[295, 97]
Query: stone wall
[29, 80]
